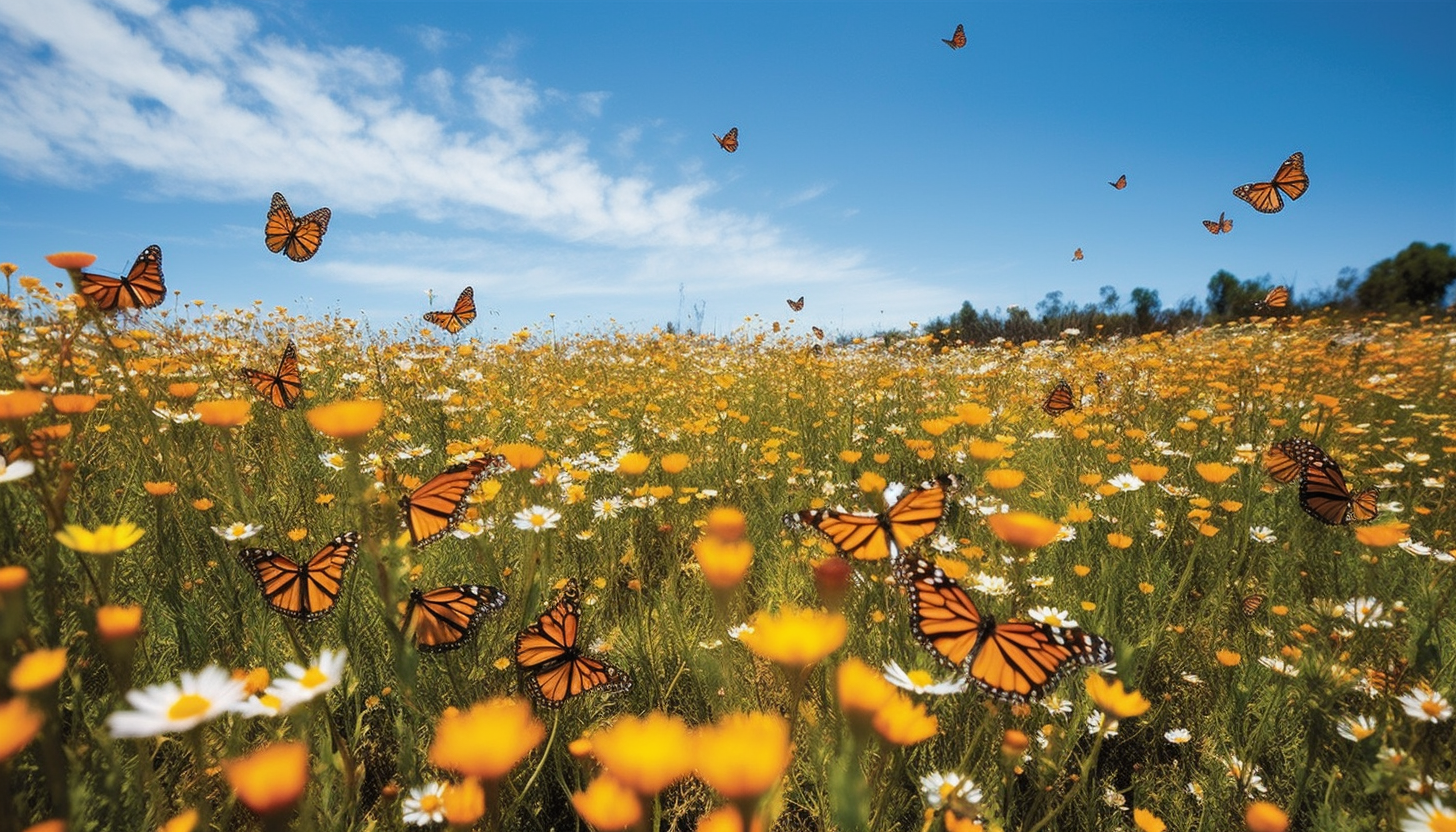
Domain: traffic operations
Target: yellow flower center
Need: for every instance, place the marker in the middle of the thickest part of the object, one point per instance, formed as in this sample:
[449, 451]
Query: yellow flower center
[920, 678]
[1431, 707]
[946, 790]
[1361, 732]
[314, 677]
[431, 803]
[237, 529]
[1442, 822]
[187, 706]
[270, 700]
[538, 520]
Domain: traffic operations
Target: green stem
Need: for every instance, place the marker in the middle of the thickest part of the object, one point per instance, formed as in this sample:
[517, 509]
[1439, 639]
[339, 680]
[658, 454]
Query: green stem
[1081, 779]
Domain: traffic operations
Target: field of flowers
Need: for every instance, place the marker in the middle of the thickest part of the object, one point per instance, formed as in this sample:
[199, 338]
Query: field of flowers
[1271, 671]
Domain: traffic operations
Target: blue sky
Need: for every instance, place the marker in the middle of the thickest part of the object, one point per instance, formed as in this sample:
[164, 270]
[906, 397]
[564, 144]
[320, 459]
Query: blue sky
[559, 157]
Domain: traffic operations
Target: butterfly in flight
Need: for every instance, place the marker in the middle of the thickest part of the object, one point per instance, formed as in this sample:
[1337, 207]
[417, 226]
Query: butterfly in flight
[142, 288]
[796, 305]
[1076, 255]
[1290, 180]
[1286, 459]
[302, 590]
[1219, 226]
[818, 333]
[445, 618]
[958, 40]
[1060, 400]
[298, 237]
[1278, 298]
[728, 141]
[1325, 496]
[1120, 183]
[1015, 661]
[280, 389]
[549, 662]
[434, 509]
[886, 534]
[456, 319]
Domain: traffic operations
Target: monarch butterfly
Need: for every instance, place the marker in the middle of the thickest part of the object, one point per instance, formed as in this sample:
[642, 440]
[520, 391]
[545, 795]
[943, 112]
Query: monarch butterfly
[1222, 226]
[302, 590]
[142, 288]
[729, 140]
[456, 319]
[797, 305]
[1324, 495]
[1251, 604]
[958, 40]
[443, 619]
[280, 389]
[818, 333]
[1291, 180]
[1015, 661]
[878, 536]
[1060, 400]
[1287, 458]
[298, 237]
[1076, 255]
[435, 508]
[553, 668]
[1278, 298]
[1120, 183]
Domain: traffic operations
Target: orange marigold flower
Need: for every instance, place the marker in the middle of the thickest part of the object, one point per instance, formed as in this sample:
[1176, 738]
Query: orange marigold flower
[1148, 472]
[633, 464]
[723, 562]
[647, 754]
[850, 457]
[71, 260]
[224, 413]
[973, 415]
[675, 463]
[521, 456]
[464, 803]
[19, 723]
[1014, 743]
[347, 419]
[270, 779]
[795, 638]
[742, 756]
[1228, 658]
[13, 577]
[1263, 816]
[1114, 700]
[182, 389]
[862, 690]
[1117, 540]
[1147, 821]
[21, 404]
[902, 721]
[37, 670]
[1077, 513]
[985, 450]
[870, 483]
[118, 622]
[726, 523]
[1215, 472]
[1004, 479]
[74, 404]
[510, 723]
[935, 427]
[160, 489]
[1379, 537]
[1023, 529]
[607, 804]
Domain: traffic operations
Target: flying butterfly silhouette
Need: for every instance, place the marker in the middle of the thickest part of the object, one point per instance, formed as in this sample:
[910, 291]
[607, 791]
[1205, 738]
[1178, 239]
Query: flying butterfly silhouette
[818, 333]
[1289, 180]
[1059, 400]
[280, 389]
[297, 237]
[434, 509]
[1325, 496]
[1278, 298]
[142, 288]
[445, 618]
[551, 665]
[797, 305]
[1120, 183]
[1015, 661]
[302, 590]
[456, 319]
[728, 141]
[1286, 459]
[887, 534]
[1076, 255]
[1221, 226]
[958, 40]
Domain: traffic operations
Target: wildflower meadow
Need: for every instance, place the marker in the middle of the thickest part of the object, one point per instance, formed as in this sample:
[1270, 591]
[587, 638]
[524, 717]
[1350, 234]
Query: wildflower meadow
[630, 620]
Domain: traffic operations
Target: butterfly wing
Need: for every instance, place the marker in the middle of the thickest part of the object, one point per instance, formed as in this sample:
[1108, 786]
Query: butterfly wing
[280, 389]
[1277, 298]
[958, 40]
[1077, 255]
[1120, 183]
[1251, 604]
[1291, 178]
[1225, 225]
[915, 515]
[552, 666]
[445, 618]
[278, 229]
[142, 288]
[797, 305]
[434, 509]
[1324, 494]
[729, 140]
[1059, 400]
[818, 333]
[456, 319]
[858, 536]
[306, 591]
[1286, 459]
[297, 237]
[943, 618]
[1022, 660]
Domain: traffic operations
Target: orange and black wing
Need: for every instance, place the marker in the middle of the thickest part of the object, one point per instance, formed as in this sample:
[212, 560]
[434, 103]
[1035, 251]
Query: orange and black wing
[958, 40]
[878, 536]
[915, 515]
[456, 319]
[280, 389]
[1286, 459]
[728, 141]
[142, 288]
[1325, 496]
[552, 667]
[1251, 604]
[435, 508]
[297, 237]
[1059, 400]
[797, 305]
[1290, 180]
[1220, 226]
[307, 591]
[818, 333]
[445, 618]
[943, 618]
[1077, 255]
[1120, 183]
[1277, 298]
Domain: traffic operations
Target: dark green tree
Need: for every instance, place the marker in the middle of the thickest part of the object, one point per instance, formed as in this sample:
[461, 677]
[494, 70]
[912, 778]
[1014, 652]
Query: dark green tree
[1145, 306]
[1417, 276]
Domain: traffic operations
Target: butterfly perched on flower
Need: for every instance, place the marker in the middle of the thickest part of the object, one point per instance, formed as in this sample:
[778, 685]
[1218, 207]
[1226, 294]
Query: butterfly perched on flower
[1076, 255]
[1120, 183]
[1276, 299]
[797, 305]
[1016, 661]
[434, 509]
[1059, 400]
[728, 141]
[444, 618]
[455, 320]
[1219, 226]
[887, 534]
[297, 237]
[302, 590]
[142, 288]
[957, 40]
[280, 389]
[552, 666]
[1325, 496]
[1290, 180]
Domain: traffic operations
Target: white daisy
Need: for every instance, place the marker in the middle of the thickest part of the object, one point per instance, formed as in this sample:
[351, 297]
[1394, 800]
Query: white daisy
[919, 681]
[537, 519]
[1279, 666]
[1367, 612]
[425, 805]
[1246, 774]
[947, 788]
[306, 683]
[173, 706]
[237, 531]
[17, 470]
[1429, 817]
[1178, 736]
[1356, 728]
[994, 585]
[1426, 705]
[1125, 482]
[1262, 534]
[1098, 723]
[333, 460]
[1052, 616]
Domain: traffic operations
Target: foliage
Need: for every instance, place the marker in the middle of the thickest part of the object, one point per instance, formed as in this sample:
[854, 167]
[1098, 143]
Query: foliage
[1418, 276]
